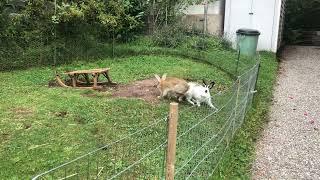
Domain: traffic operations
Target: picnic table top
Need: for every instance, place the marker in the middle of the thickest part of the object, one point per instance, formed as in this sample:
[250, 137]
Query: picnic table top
[90, 71]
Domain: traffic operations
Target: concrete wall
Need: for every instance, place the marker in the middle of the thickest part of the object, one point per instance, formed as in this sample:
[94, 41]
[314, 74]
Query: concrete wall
[213, 8]
[263, 15]
[194, 18]
[196, 22]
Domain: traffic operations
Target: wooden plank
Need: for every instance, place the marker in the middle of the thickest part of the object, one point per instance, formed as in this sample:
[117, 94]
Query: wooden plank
[74, 81]
[107, 76]
[98, 75]
[95, 80]
[60, 82]
[85, 73]
[90, 71]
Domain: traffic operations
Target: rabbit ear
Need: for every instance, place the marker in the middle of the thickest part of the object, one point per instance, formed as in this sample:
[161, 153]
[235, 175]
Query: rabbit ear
[164, 76]
[212, 84]
[204, 82]
[158, 78]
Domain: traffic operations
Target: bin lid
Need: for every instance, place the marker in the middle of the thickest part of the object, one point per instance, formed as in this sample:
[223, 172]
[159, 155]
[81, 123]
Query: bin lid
[248, 32]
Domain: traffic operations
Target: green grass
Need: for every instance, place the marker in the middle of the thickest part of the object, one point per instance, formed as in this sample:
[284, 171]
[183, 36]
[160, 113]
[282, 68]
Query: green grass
[225, 60]
[42, 127]
[238, 159]
[214, 53]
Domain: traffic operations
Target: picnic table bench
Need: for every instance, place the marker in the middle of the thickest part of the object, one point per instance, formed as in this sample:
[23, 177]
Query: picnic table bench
[86, 82]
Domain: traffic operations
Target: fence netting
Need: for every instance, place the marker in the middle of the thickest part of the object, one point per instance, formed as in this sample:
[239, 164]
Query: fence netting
[203, 133]
[203, 136]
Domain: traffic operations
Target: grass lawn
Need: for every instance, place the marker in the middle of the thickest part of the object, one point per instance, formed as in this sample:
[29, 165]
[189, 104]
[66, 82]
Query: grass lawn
[42, 127]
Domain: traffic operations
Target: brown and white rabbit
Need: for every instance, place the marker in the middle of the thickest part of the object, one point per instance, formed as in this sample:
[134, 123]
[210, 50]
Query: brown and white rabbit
[171, 86]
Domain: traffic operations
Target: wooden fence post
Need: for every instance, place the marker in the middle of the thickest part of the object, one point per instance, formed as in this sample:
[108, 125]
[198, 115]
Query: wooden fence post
[172, 138]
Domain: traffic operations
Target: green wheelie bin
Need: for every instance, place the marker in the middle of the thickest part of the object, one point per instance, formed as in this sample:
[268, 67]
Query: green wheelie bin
[247, 41]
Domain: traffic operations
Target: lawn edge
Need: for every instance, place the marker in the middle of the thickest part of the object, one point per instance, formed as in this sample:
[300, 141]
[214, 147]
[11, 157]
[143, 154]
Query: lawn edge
[239, 157]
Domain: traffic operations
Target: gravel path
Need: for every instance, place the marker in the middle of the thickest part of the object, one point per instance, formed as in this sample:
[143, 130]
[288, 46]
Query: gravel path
[290, 144]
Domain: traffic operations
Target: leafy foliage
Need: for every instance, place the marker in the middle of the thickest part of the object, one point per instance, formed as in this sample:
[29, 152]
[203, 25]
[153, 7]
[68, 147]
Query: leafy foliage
[300, 15]
[30, 31]
[42, 32]
[111, 15]
[170, 36]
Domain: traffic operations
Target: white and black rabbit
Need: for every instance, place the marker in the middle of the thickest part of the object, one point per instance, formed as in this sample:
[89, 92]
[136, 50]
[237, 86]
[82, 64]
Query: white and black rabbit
[198, 94]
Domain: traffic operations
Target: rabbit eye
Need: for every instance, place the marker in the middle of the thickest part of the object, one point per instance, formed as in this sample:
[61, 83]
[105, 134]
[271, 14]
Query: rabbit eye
[206, 91]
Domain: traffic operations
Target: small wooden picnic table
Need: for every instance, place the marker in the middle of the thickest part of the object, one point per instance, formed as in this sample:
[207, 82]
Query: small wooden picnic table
[86, 82]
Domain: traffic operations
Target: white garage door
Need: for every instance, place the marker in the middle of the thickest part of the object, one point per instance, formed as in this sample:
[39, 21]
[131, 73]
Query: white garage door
[262, 15]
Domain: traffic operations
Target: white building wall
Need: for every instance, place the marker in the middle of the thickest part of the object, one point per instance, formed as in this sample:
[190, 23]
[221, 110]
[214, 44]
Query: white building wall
[263, 15]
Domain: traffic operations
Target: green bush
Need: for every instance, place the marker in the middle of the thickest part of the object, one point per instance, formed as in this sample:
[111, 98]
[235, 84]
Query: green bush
[178, 35]
[205, 43]
[170, 36]
[226, 43]
[300, 15]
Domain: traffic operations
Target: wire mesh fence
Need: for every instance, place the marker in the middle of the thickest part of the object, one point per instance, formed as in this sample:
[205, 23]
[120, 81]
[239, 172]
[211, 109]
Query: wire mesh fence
[127, 157]
[204, 134]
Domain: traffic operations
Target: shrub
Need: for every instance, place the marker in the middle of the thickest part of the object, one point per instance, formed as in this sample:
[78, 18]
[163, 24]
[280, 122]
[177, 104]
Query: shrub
[170, 36]
[208, 42]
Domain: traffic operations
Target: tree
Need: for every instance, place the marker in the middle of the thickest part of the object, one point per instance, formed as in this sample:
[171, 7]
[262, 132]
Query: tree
[301, 14]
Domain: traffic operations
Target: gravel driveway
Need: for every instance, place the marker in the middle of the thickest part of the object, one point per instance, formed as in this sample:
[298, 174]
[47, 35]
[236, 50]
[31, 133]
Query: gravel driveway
[290, 144]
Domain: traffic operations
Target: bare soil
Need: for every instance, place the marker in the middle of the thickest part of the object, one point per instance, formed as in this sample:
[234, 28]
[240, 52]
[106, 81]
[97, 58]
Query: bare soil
[23, 112]
[144, 89]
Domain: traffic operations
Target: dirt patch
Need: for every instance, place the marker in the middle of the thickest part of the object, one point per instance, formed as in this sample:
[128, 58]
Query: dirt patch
[4, 136]
[27, 125]
[145, 89]
[80, 120]
[61, 114]
[22, 111]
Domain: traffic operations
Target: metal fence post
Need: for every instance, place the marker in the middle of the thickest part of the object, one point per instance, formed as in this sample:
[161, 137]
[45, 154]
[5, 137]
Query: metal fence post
[237, 103]
[238, 59]
[253, 84]
[257, 76]
[172, 138]
[249, 91]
